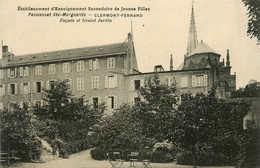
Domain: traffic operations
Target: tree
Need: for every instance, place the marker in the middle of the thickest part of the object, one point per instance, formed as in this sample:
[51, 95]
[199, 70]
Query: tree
[204, 119]
[253, 8]
[68, 119]
[19, 133]
[252, 89]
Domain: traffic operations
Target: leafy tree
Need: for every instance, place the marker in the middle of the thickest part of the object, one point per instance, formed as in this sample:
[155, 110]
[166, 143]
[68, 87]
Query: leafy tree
[68, 119]
[253, 8]
[19, 134]
[204, 119]
[252, 89]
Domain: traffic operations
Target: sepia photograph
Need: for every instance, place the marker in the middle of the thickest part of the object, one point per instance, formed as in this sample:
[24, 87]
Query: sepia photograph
[130, 83]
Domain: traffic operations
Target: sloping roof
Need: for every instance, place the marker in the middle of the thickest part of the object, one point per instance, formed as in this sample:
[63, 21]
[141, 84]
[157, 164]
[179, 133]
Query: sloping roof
[202, 48]
[76, 53]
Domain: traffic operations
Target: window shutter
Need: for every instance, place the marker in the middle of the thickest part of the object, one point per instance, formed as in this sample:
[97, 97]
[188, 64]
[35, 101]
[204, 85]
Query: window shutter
[108, 63]
[3, 90]
[34, 87]
[15, 88]
[54, 69]
[205, 76]
[21, 71]
[107, 103]
[97, 82]
[168, 81]
[8, 73]
[114, 62]
[21, 88]
[40, 69]
[90, 64]
[90, 101]
[106, 81]
[115, 81]
[92, 82]
[193, 81]
[29, 88]
[8, 89]
[142, 82]
[42, 86]
[48, 85]
[132, 85]
[171, 81]
[26, 73]
[115, 102]
[99, 100]
[15, 72]
[97, 64]
[21, 104]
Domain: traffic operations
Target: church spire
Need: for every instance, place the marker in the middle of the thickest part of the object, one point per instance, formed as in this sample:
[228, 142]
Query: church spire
[192, 39]
[171, 64]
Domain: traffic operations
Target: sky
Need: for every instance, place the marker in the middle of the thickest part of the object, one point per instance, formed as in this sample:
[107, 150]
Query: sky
[160, 32]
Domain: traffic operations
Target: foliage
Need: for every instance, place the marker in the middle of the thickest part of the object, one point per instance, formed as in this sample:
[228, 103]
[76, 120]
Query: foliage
[66, 118]
[97, 154]
[253, 8]
[19, 134]
[203, 121]
[252, 89]
[248, 155]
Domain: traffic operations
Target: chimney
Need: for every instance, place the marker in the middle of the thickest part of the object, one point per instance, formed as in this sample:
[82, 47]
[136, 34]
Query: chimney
[228, 61]
[171, 64]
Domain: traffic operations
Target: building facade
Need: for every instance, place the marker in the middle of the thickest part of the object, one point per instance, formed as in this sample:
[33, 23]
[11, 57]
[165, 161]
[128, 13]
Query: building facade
[109, 73]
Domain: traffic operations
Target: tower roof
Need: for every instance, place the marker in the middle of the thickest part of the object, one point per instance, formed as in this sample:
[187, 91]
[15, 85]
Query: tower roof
[192, 39]
[202, 48]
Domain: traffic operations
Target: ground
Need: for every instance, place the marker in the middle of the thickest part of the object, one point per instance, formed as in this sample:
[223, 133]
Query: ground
[83, 160]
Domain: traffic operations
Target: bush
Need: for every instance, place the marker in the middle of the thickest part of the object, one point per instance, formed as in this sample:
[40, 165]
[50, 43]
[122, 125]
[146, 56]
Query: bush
[248, 155]
[18, 133]
[97, 154]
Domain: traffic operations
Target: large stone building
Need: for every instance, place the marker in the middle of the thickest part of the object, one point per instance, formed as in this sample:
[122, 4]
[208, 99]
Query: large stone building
[109, 73]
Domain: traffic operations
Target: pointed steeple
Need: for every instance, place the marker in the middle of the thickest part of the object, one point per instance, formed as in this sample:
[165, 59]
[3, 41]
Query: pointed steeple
[192, 39]
[171, 64]
[228, 61]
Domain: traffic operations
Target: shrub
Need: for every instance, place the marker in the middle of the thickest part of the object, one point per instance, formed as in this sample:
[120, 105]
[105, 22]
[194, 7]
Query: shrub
[97, 154]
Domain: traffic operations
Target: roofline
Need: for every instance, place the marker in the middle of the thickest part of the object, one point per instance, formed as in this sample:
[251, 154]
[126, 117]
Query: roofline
[61, 60]
[46, 52]
[203, 53]
[146, 73]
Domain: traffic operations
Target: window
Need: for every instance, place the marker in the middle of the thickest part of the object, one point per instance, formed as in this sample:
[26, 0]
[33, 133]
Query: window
[1, 74]
[38, 70]
[80, 66]
[52, 69]
[111, 81]
[24, 88]
[66, 67]
[137, 84]
[93, 64]
[111, 63]
[170, 81]
[26, 71]
[38, 103]
[80, 83]
[2, 89]
[12, 89]
[184, 81]
[11, 73]
[24, 104]
[137, 99]
[199, 80]
[111, 102]
[50, 84]
[95, 82]
[38, 87]
[68, 82]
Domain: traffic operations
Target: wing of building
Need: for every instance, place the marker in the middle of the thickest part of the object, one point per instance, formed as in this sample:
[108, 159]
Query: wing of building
[109, 73]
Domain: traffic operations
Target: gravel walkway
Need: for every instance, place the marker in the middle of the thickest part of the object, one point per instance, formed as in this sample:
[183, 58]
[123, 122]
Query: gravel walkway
[83, 160]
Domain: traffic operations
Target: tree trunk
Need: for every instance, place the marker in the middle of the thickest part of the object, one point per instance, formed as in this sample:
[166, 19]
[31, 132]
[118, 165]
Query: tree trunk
[193, 150]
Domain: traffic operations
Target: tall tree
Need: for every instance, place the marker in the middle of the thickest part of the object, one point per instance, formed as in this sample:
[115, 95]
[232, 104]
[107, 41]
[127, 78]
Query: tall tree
[253, 8]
